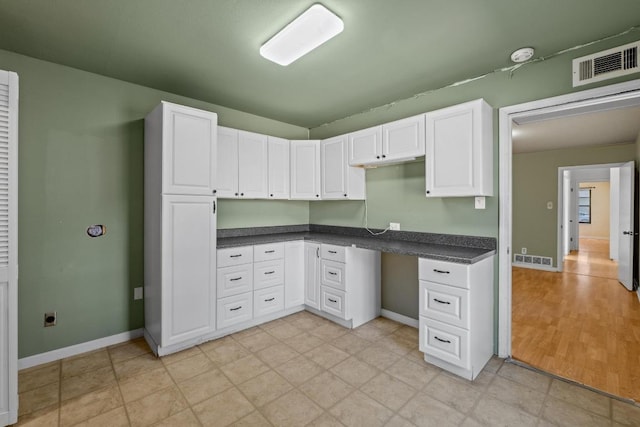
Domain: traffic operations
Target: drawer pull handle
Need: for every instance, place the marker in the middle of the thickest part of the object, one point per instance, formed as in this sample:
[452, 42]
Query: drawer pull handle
[333, 273]
[441, 340]
[441, 302]
[239, 307]
[235, 256]
[332, 300]
[269, 272]
[333, 252]
[270, 299]
[270, 252]
[235, 279]
[441, 271]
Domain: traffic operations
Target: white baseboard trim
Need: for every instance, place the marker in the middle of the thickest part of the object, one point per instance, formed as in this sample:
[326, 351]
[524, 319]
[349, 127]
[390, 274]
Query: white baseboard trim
[400, 318]
[73, 350]
[534, 266]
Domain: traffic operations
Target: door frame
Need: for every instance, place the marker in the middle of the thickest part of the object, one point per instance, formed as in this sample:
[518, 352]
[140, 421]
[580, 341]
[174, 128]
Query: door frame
[602, 98]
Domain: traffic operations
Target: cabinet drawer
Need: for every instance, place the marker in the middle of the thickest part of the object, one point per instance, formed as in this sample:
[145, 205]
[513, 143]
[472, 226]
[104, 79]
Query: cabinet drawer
[448, 273]
[235, 280]
[268, 273]
[333, 301]
[268, 252]
[269, 300]
[235, 309]
[445, 303]
[332, 274]
[333, 252]
[235, 256]
[445, 342]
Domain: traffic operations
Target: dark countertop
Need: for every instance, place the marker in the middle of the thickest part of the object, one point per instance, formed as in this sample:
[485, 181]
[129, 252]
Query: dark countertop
[444, 247]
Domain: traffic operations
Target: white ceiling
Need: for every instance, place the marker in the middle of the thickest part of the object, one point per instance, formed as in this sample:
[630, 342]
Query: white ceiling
[617, 126]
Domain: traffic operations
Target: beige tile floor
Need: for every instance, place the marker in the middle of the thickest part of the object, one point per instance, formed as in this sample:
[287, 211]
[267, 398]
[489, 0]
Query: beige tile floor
[296, 371]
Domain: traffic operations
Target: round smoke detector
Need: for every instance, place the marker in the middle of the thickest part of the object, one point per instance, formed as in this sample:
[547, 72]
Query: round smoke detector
[522, 54]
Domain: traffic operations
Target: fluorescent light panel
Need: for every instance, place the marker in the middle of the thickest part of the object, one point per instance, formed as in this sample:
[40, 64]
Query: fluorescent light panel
[305, 33]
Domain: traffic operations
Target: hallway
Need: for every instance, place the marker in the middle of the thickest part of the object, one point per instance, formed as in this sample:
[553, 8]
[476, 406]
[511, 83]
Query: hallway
[581, 324]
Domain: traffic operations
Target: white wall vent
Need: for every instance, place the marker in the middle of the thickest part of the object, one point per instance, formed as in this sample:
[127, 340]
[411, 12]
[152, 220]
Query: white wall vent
[607, 64]
[533, 261]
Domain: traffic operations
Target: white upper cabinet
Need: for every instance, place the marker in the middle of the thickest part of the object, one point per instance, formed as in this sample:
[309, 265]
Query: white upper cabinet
[403, 139]
[227, 165]
[305, 170]
[392, 142]
[459, 151]
[365, 146]
[252, 165]
[339, 180]
[188, 138]
[279, 172]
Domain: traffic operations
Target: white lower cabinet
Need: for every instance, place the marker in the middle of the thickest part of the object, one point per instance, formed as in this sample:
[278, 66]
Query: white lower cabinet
[267, 301]
[312, 275]
[294, 274]
[350, 283]
[456, 315]
[235, 309]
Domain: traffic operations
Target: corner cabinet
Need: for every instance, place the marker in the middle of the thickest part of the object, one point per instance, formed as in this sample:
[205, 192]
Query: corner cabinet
[459, 151]
[339, 180]
[180, 226]
[305, 170]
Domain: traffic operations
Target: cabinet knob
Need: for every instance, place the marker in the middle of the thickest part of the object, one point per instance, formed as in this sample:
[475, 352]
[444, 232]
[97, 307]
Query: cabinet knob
[236, 194]
[345, 195]
[271, 195]
[428, 191]
[384, 156]
[317, 195]
[377, 157]
[214, 191]
[242, 194]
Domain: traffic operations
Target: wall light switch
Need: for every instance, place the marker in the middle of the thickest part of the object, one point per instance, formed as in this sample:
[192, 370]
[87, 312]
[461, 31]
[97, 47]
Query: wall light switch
[481, 202]
[549, 205]
[137, 293]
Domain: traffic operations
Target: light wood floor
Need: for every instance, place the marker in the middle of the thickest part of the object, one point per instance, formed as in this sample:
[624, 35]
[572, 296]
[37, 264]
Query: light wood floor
[581, 324]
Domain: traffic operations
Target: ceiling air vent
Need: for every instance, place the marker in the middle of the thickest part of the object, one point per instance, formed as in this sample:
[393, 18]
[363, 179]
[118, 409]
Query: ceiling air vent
[607, 64]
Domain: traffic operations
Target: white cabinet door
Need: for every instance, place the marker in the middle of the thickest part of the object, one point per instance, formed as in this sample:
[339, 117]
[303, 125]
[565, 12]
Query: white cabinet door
[312, 275]
[188, 267]
[294, 273]
[365, 146]
[252, 170]
[227, 164]
[459, 151]
[279, 167]
[305, 170]
[189, 152]
[333, 154]
[9, 249]
[403, 139]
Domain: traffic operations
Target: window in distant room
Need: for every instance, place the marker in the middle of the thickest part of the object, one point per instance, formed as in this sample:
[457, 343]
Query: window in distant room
[584, 206]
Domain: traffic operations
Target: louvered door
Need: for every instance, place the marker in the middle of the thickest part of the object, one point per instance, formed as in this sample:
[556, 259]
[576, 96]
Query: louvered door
[8, 247]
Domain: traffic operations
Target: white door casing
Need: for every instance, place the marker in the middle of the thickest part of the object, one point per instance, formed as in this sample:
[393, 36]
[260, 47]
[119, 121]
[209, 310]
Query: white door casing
[627, 93]
[614, 206]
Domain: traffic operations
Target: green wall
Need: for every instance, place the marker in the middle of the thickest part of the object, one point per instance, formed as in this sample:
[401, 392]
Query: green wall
[535, 182]
[396, 193]
[81, 163]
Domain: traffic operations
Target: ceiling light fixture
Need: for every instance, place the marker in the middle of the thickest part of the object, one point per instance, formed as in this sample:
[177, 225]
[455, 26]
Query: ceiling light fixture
[305, 33]
[523, 54]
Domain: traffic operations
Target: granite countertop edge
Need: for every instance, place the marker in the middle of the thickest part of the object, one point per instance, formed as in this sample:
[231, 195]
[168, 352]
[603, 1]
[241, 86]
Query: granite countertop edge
[461, 254]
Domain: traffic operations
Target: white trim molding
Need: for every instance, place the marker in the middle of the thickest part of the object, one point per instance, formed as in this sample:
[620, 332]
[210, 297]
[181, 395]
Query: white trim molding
[534, 266]
[606, 97]
[400, 318]
[74, 350]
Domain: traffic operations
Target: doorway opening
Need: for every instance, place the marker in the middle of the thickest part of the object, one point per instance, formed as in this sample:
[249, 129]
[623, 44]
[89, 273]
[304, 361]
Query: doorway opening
[567, 293]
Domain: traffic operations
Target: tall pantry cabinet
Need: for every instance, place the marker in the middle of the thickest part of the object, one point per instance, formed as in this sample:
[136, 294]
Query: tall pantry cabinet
[180, 226]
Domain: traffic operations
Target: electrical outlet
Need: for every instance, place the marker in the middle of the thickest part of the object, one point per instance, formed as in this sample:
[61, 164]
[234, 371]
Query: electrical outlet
[524, 251]
[50, 319]
[394, 226]
[481, 202]
[138, 293]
